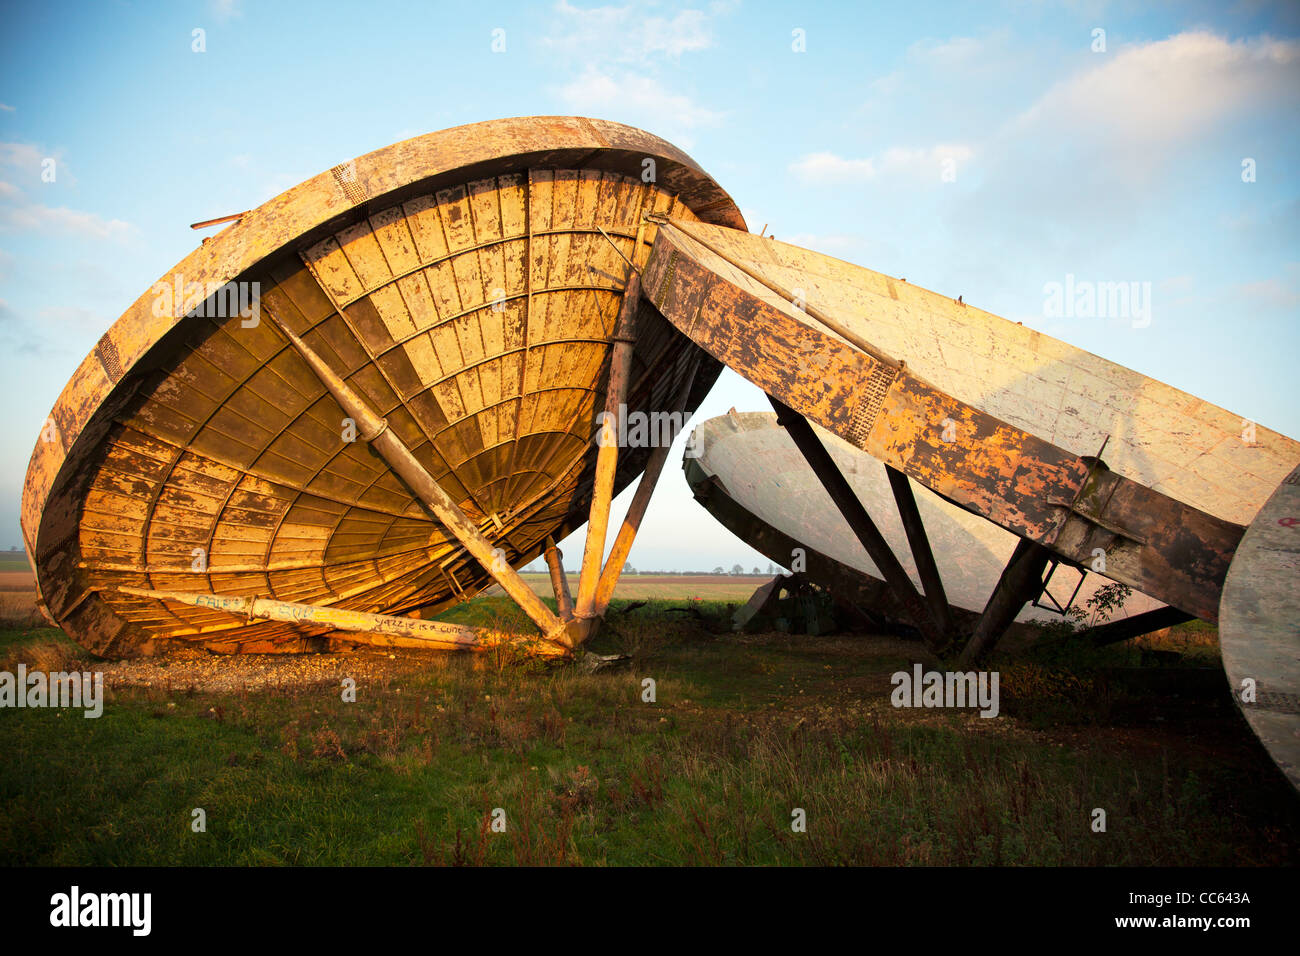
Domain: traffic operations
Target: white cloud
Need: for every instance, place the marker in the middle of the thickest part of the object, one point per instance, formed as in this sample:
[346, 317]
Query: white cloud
[225, 10]
[950, 54]
[927, 162]
[35, 217]
[958, 84]
[1177, 285]
[1119, 138]
[830, 168]
[1278, 292]
[637, 98]
[628, 34]
[620, 56]
[22, 156]
[1144, 101]
[6, 108]
[28, 162]
[886, 85]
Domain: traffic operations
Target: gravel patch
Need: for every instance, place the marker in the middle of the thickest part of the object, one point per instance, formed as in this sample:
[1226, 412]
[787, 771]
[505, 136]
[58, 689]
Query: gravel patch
[186, 669]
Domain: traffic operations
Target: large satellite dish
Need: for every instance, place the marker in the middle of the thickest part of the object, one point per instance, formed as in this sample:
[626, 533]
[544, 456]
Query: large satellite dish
[1258, 630]
[782, 511]
[1076, 456]
[374, 393]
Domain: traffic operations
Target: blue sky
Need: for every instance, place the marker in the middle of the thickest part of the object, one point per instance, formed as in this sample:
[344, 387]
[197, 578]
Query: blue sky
[1122, 164]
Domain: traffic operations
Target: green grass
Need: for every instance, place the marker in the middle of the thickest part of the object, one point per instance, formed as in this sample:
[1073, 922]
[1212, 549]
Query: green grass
[744, 730]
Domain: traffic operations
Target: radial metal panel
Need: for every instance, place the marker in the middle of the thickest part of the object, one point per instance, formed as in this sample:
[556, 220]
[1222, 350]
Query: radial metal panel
[1005, 421]
[1259, 626]
[752, 478]
[460, 283]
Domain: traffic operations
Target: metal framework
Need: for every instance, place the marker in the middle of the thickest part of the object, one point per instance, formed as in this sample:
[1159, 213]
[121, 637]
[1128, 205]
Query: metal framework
[1021, 580]
[855, 515]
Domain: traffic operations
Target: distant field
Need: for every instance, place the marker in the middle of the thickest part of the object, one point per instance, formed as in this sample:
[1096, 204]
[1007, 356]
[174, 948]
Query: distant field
[17, 581]
[683, 587]
[17, 592]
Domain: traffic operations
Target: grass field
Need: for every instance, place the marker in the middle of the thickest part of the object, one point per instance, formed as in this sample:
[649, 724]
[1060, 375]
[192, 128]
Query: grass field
[743, 731]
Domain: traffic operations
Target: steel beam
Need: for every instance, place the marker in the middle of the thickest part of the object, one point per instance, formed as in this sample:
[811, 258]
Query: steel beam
[375, 431]
[1135, 626]
[381, 629]
[1022, 576]
[841, 492]
[931, 581]
[620, 371]
[559, 580]
[220, 219]
[622, 546]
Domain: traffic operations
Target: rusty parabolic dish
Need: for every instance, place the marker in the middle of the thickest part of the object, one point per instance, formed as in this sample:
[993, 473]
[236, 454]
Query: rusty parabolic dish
[460, 283]
[748, 473]
[1259, 625]
[1002, 420]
